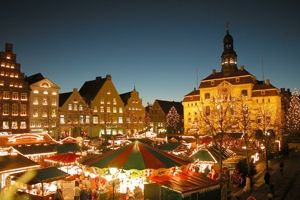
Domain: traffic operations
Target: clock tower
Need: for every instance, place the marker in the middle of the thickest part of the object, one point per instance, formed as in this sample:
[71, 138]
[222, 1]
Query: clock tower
[229, 57]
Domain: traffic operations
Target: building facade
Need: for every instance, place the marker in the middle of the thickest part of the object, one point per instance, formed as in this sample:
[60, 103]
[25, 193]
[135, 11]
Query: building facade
[107, 107]
[43, 105]
[14, 94]
[134, 112]
[158, 115]
[234, 83]
[74, 115]
[191, 112]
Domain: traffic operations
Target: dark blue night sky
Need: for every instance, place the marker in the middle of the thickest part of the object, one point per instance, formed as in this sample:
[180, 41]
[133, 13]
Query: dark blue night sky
[158, 46]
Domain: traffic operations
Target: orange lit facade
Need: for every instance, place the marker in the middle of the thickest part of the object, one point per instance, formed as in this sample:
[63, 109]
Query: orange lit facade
[134, 112]
[234, 82]
[43, 105]
[107, 107]
[74, 115]
[14, 94]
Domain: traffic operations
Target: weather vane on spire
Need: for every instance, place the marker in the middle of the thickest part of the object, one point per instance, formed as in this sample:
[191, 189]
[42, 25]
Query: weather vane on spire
[227, 26]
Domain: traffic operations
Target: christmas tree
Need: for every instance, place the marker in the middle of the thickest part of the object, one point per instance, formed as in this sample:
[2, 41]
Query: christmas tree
[293, 114]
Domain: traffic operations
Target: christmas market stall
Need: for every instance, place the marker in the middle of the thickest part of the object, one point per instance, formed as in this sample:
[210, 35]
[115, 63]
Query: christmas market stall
[184, 185]
[12, 162]
[127, 168]
[42, 185]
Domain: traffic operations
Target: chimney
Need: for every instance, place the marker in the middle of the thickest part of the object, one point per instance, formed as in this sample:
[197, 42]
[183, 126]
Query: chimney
[75, 90]
[242, 67]
[267, 82]
[108, 77]
[8, 47]
[214, 71]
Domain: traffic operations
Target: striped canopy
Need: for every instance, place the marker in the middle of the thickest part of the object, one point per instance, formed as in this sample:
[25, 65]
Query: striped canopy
[138, 156]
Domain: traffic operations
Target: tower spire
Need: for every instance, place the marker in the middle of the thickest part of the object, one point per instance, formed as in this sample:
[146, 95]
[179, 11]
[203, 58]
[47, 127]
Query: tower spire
[229, 56]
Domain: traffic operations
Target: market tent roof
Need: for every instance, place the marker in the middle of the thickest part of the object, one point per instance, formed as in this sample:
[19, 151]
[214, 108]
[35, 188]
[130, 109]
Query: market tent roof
[66, 158]
[203, 155]
[44, 175]
[169, 146]
[15, 162]
[225, 153]
[186, 182]
[136, 155]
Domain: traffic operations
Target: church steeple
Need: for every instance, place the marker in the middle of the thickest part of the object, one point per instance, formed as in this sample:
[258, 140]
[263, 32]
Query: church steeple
[229, 57]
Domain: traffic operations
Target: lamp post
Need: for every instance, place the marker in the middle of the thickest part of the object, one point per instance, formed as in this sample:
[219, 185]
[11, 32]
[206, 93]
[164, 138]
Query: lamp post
[111, 176]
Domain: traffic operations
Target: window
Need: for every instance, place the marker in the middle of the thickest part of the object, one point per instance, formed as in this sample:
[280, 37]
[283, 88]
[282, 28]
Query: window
[5, 109]
[35, 101]
[75, 106]
[81, 119]
[5, 125]
[35, 112]
[114, 109]
[95, 120]
[207, 110]
[53, 113]
[120, 120]
[80, 107]
[35, 91]
[108, 92]
[62, 119]
[101, 101]
[95, 109]
[1, 83]
[53, 102]
[212, 82]
[23, 110]
[69, 106]
[120, 110]
[244, 93]
[15, 96]
[114, 101]
[14, 125]
[237, 79]
[44, 114]
[87, 119]
[15, 109]
[207, 96]
[32, 125]
[23, 97]
[23, 125]
[102, 109]
[54, 93]
[45, 92]
[6, 95]
[108, 109]
[45, 102]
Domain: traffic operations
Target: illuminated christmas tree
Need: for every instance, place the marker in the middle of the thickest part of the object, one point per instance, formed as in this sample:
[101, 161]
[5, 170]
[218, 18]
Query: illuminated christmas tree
[173, 120]
[293, 115]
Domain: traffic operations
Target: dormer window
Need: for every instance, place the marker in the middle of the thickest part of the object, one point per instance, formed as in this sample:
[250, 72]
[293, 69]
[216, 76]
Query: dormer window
[237, 79]
[212, 82]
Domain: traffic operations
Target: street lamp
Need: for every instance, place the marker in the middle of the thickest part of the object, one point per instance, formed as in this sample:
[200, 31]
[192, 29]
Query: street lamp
[111, 176]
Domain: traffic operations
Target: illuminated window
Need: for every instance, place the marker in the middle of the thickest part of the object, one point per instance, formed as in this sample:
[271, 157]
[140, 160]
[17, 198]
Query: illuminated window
[5, 125]
[114, 109]
[5, 109]
[81, 119]
[101, 101]
[53, 102]
[62, 119]
[38, 124]
[14, 125]
[108, 102]
[69, 106]
[15, 109]
[16, 76]
[120, 110]
[108, 109]
[114, 101]
[108, 92]
[45, 101]
[6, 95]
[8, 56]
[53, 113]
[22, 125]
[20, 86]
[35, 101]
[102, 109]
[1, 83]
[53, 124]
[44, 114]
[35, 91]
[45, 85]
[12, 67]
[75, 106]
[120, 120]
[95, 120]
[87, 119]
[80, 107]
[23, 97]
[15, 96]
[54, 93]
[95, 109]
[32, 125]
[2, 64]
[23, 110]
[35, 112]
[45, 92]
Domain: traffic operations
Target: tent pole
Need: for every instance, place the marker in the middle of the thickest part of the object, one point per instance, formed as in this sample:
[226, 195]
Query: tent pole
[42, 189]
